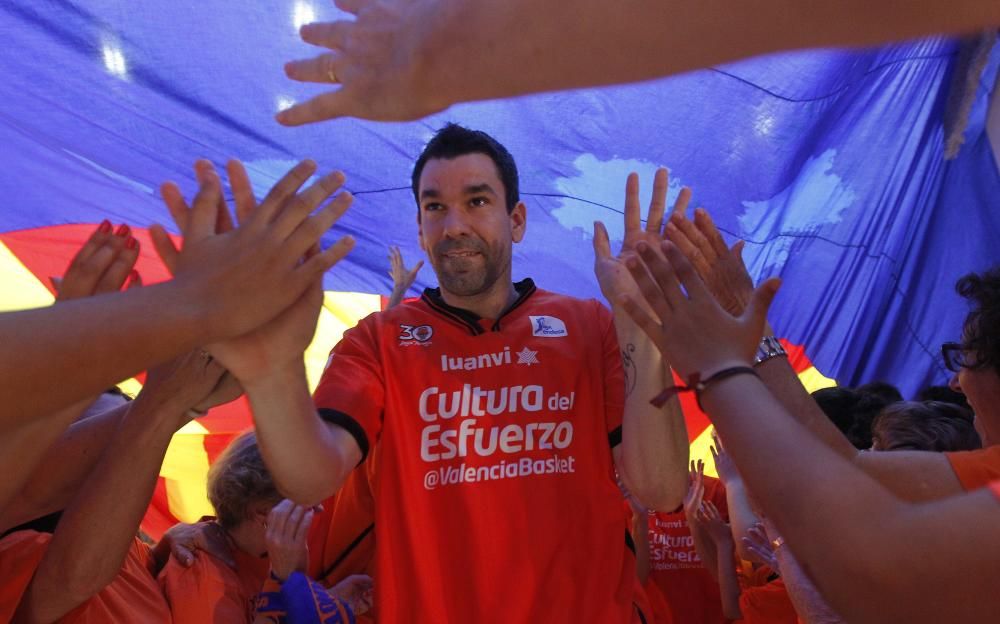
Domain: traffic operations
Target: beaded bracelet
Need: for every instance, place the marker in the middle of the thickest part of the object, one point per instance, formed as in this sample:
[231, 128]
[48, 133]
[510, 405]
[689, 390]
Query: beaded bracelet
[698, 385]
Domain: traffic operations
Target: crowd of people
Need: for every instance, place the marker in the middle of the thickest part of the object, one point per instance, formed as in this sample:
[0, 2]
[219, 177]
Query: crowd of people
[489, 451]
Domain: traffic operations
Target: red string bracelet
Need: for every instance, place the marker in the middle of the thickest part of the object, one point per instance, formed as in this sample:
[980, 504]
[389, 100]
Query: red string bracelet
[697, 385]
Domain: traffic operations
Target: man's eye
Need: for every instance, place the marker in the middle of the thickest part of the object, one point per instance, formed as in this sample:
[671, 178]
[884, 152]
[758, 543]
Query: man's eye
[431, 207]
[479, 201]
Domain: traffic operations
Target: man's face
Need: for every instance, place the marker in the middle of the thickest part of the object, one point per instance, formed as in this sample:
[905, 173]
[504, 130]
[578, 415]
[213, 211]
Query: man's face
[463, 223]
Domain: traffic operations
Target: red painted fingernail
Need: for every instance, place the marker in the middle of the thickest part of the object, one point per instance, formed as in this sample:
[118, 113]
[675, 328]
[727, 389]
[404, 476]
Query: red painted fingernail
[131, 243]
[122, 230]
[104, 227]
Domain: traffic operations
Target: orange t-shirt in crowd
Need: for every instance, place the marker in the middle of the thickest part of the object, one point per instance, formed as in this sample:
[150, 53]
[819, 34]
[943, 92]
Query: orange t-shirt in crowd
[676, 569]
[210, 592]
[496, 492]
[657, 604]
[132, 597]
[767, 604]
[976, 469]
[342, 537]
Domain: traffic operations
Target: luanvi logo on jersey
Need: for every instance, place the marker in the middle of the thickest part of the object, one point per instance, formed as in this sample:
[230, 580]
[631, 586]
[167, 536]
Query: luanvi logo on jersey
[415, 335]
[488, 360]
[547, 327]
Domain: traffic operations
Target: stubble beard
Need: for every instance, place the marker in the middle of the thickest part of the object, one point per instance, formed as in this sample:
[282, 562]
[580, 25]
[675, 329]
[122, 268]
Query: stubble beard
[467, 277]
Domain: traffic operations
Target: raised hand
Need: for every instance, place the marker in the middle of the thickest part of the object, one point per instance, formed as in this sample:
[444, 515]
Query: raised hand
[357, 591]
[612, 275]
[402, 278]
[287, 528]
[691, 330]
[696, 490]
[185, 540]
[375, 58]
[104, 264]
[273, 249]
[759, 547]
[724, 465]
[711, 520]
[720, 267]
[183, 382]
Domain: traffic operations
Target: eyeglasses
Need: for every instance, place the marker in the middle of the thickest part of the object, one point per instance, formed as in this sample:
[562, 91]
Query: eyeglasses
[956, 356]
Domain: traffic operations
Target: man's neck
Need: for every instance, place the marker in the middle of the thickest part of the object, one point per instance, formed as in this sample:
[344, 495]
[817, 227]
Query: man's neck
[490, 304]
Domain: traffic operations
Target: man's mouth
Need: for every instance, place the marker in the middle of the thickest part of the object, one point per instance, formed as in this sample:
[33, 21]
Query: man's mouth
[460, 254]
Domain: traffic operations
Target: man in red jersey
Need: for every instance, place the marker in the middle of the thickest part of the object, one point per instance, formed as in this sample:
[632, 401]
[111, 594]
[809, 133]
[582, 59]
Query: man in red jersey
[502, 413]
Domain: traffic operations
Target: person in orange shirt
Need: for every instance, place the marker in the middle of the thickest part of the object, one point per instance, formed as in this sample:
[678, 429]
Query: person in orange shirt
[266, 535]
[680, 573]
[93, 568]
[342, 540]
[817, 497]
[915, 476]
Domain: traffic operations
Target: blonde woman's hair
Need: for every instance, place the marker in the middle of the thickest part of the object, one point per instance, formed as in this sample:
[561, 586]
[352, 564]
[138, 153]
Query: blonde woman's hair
[238, 480]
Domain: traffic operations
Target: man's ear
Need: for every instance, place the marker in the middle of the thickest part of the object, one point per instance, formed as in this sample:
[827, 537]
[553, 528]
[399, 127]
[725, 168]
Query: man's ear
[420, 231]
[518, 222]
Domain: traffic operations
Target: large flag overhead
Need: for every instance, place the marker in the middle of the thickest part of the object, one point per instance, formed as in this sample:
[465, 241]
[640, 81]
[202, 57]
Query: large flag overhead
[831, 164]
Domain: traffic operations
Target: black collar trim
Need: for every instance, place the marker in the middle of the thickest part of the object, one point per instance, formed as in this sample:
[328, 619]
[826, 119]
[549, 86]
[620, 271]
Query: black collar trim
[470, 320]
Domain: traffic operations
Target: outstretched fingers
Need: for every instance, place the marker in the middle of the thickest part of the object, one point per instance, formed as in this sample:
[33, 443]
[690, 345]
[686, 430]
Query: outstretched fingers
[602, 242]
[663, 273]
[285, 188]
[313, 268]
[311, 229]
[325, 106]
[164, 246]
[658, 204]
[204, 214]
[298, 208]
[652, 291]
[633, 215]
[706, 226]
[685, 273]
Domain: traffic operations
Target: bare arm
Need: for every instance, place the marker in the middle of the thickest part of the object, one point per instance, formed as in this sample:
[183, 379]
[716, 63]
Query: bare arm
[912, 475]
[97, 529]
[404, 60]
[67, 463]
[729, 584]
[653, 459]
[654, 448]
[816, 498]
[309, 458]
[80, 343]
[226, 284]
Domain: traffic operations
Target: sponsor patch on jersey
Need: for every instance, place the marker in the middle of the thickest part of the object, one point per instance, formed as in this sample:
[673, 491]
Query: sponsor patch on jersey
[547, 327]
[415, 335]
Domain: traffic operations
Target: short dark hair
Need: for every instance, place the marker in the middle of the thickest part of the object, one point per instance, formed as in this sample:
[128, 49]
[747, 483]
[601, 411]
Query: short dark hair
[851, 411]
[888, 392]
[981, 335]
[945, 395]
[453, 141]
[925, 426]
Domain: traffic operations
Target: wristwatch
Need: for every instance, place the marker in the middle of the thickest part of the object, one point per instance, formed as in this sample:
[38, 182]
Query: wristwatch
[768, 348]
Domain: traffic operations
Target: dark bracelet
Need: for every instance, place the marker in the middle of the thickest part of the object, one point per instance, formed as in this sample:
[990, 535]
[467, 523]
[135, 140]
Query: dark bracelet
[698, 385]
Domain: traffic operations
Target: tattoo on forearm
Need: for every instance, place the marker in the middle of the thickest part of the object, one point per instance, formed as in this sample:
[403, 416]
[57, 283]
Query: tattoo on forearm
[628, 365]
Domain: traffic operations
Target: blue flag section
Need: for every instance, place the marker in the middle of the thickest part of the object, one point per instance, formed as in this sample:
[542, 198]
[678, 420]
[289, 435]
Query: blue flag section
[830, 163]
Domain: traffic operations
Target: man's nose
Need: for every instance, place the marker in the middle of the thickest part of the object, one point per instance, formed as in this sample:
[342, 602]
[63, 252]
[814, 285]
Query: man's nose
[456, 224]
[954, 384]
